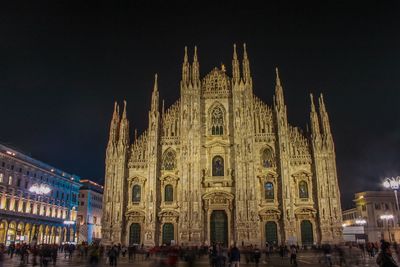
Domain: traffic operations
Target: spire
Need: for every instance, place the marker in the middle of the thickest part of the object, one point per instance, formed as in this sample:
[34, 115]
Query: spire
[315, 130]
[246, 65]
[114, 126]
[124, 112]
[326, 128]
[195, 54]
[185, 57]
[185, 68]
[279, 99]
[155, 95]
[195, 68]
[124, 128]
[155, 87]
[312, 103]
[235, 66]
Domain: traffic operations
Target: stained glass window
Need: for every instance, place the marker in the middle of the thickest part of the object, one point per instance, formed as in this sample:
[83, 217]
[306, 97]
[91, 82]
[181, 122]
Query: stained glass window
[269, 190]
[169, 193]
[169, 160]
[217, 121]
[218, 166]
[136, 194]
[267, 158]
[303, 189]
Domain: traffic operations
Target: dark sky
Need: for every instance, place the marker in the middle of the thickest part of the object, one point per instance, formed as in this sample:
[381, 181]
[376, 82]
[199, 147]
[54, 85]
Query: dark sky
[63, 64]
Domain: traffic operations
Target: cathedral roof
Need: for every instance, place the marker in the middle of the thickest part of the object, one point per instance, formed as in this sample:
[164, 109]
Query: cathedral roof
[216, 83]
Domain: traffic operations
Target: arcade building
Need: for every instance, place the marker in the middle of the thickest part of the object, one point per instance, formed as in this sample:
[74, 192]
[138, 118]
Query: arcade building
[38, 203]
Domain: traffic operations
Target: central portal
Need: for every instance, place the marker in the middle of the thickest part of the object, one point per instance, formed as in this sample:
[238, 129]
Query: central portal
[219, 227]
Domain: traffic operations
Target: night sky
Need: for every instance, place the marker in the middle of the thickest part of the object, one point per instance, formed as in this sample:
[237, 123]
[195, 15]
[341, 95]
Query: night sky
[63, 64]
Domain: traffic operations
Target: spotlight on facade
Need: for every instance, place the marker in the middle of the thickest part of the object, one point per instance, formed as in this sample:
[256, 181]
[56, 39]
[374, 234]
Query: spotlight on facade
[40, 189]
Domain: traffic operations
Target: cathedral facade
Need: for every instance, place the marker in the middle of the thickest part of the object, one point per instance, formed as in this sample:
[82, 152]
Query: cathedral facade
[220, 165]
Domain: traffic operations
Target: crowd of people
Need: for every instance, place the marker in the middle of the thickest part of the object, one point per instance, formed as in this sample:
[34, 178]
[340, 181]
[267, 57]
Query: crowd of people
[218, 255]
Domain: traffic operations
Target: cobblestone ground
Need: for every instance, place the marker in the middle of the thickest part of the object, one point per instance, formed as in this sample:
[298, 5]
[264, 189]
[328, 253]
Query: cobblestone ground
[304, 259]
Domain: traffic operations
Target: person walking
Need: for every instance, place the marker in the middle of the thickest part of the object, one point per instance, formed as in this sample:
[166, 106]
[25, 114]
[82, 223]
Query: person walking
[112, 255]
[293, 255]
[385, 258]
[256, 255]
[327, 254]
[234, 256]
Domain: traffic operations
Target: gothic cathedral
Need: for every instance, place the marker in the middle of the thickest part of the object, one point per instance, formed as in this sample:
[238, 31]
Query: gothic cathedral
[220, 165]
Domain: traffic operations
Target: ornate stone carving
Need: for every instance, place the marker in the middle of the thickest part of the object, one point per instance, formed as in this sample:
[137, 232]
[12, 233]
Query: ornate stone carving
[257, 145]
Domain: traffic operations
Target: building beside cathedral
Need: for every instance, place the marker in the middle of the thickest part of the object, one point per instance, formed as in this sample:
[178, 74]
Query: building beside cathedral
[220, 165]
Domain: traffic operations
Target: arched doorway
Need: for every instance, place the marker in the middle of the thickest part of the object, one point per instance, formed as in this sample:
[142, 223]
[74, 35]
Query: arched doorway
[19, 233]
[219, 227]
[271, 233]
[3, 227]
[167, 233]
[11, 233]
[34, 233]
[27, 232]
[40, 234]
[134, 234]
[307, 237]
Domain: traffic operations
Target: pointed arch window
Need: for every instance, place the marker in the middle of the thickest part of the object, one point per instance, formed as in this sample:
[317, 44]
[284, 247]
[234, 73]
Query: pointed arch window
[169, 193]
[136, 193]
[303, 189]
[267, 158]
[218, 166]
[269, 191]
[169, 160]
[217, 121]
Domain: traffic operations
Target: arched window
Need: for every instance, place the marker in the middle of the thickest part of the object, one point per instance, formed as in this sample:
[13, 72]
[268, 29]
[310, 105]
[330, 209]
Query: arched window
[269, 191]
[218, 166]
[169, 160]
[136, 194]
[267, 158]
[169, 193]
[217, 121]
[303, 189]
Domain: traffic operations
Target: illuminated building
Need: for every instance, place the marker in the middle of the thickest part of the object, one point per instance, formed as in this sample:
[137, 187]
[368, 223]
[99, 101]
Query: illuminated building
[36, 200]
[90, 211]
[378, 214]
[221, 165]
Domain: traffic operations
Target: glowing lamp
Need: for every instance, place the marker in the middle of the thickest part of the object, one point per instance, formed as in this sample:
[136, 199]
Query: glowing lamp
[40, 189]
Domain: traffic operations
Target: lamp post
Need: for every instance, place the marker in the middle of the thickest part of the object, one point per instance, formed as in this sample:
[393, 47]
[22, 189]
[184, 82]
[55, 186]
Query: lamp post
[387, 217]
[394, 184]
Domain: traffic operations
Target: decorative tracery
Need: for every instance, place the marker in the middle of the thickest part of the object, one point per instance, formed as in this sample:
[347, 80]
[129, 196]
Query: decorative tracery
[267, 158]
[169, 160]
[217, 121]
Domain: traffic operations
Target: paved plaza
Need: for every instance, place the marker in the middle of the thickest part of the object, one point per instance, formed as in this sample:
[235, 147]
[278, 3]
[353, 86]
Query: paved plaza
[305, 258]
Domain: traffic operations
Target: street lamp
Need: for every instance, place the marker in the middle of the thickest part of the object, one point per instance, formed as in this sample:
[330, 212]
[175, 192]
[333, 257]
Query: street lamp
[387, 217]
[394, 184]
